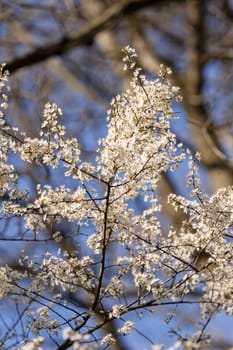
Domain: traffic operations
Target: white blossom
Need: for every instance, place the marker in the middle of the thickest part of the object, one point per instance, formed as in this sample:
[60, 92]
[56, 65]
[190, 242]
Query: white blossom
[34, 344]
[108, 339]
[126, 328]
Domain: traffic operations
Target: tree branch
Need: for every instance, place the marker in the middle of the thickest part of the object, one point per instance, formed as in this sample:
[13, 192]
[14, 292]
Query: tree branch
[109, 18]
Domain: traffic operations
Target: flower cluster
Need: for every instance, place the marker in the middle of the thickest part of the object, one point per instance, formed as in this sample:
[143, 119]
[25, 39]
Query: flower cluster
[120, 261]
[8, 175]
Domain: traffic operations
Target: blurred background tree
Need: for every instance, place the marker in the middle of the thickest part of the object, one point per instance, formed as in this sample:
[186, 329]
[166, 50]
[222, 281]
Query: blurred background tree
[69, 52]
